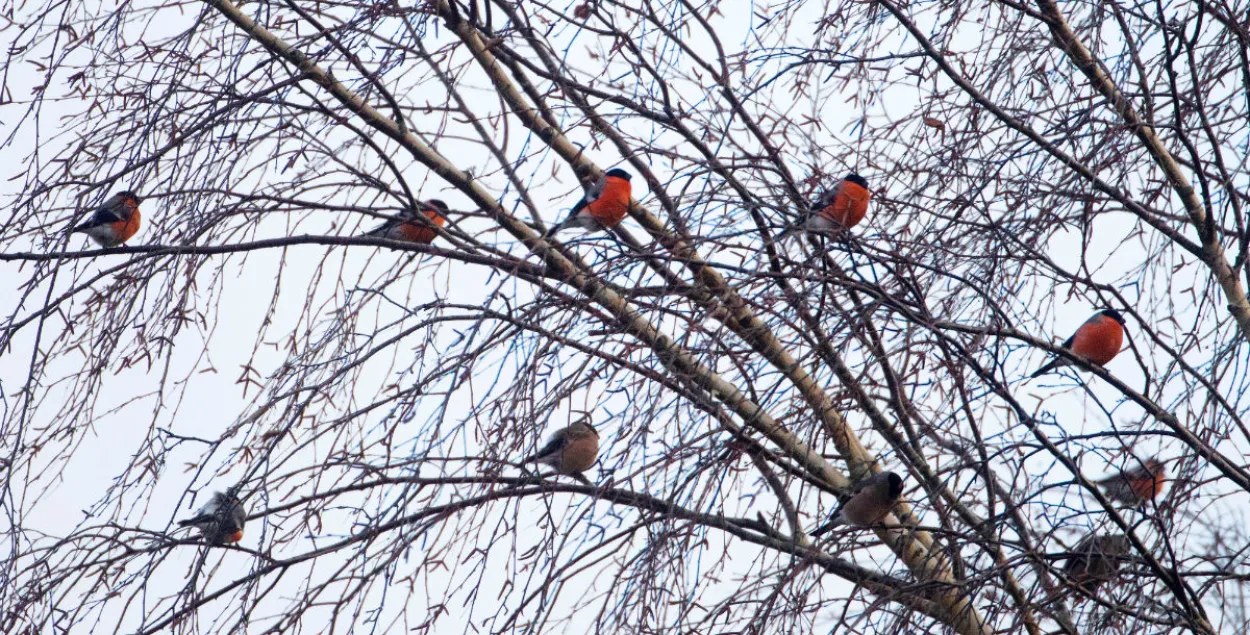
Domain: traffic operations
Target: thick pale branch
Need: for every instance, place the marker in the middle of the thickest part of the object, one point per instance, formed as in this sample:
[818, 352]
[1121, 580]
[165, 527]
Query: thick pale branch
[673, 356]
[1212, 253]
[926, 564]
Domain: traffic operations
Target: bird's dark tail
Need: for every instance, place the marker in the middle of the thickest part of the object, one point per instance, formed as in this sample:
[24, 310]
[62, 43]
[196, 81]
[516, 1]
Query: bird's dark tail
[824, 529]
[1054, 363]
[553, 230]
[198, 520]
[788, 232]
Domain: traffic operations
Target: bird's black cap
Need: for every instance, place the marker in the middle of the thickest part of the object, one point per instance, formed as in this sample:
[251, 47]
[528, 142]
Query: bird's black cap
[435, 203]
[1113, 314]
[619, 173]
[131, 194]
[896, 485]
[857, 179]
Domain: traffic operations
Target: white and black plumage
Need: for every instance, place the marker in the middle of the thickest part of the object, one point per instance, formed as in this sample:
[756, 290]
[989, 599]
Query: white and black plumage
[221, 519]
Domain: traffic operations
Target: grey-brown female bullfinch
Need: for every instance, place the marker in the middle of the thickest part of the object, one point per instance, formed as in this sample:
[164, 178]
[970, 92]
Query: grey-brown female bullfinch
[870, 501]
[604, 206]
[407, 228]
[1098, 340]
[841, 207]
[570, 450]
[114, 221]
[221, 519]
[1137, 485]
[1096, 560]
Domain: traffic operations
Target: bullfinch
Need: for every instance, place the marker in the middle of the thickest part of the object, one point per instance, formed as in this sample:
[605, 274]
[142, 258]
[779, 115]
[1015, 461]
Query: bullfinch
[1137, 485]
[1096, 560]
[221, 519]
[841, 207]
[114, 221]
[408, 228]
[870, 501]
[1098, 340]
[570, 451]
[602, 207]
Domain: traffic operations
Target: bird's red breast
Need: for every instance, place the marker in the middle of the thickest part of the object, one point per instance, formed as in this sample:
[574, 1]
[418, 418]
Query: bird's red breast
[1147, 487]
[611, 206]
[234, 537]
[1099, 340]
[1147, 482]
[420, 233]
[124, 229]
[579, 454]
[849, 205]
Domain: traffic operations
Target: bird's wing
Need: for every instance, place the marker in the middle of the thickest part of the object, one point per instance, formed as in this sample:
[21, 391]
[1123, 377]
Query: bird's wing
[553, 445]
[595, 191]
[597, 188]
[405, 215]
[381, 230]
[238, 516]
[869, 482]
[855, 490]
[110, 211]
[1068, 342]
[825, 199]
[198, 519]
[1057, 361]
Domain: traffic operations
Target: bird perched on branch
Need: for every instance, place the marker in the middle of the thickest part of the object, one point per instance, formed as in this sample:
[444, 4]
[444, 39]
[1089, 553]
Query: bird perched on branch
[1138, 485]
[114, 221]
[1096, 560]
[835, 210]
[221, 519]
[409, 228]
[871, 500]
[1098, 341]
[841, 207]
[602, 207]
[571, 450]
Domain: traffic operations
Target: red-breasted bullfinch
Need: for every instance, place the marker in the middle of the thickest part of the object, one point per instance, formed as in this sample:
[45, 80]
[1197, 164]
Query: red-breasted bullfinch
[1098, 340]
[1138, 484]
[603, 206]
[870, 501]
[570, 451]
[409, 229]
[1096, 560]
[114, 221]
[221, 519]
[841, 207]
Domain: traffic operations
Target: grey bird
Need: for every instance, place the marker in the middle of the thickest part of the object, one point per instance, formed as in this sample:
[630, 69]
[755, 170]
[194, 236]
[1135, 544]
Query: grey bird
[221, 519]
[870, 501]
[1096, 560]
